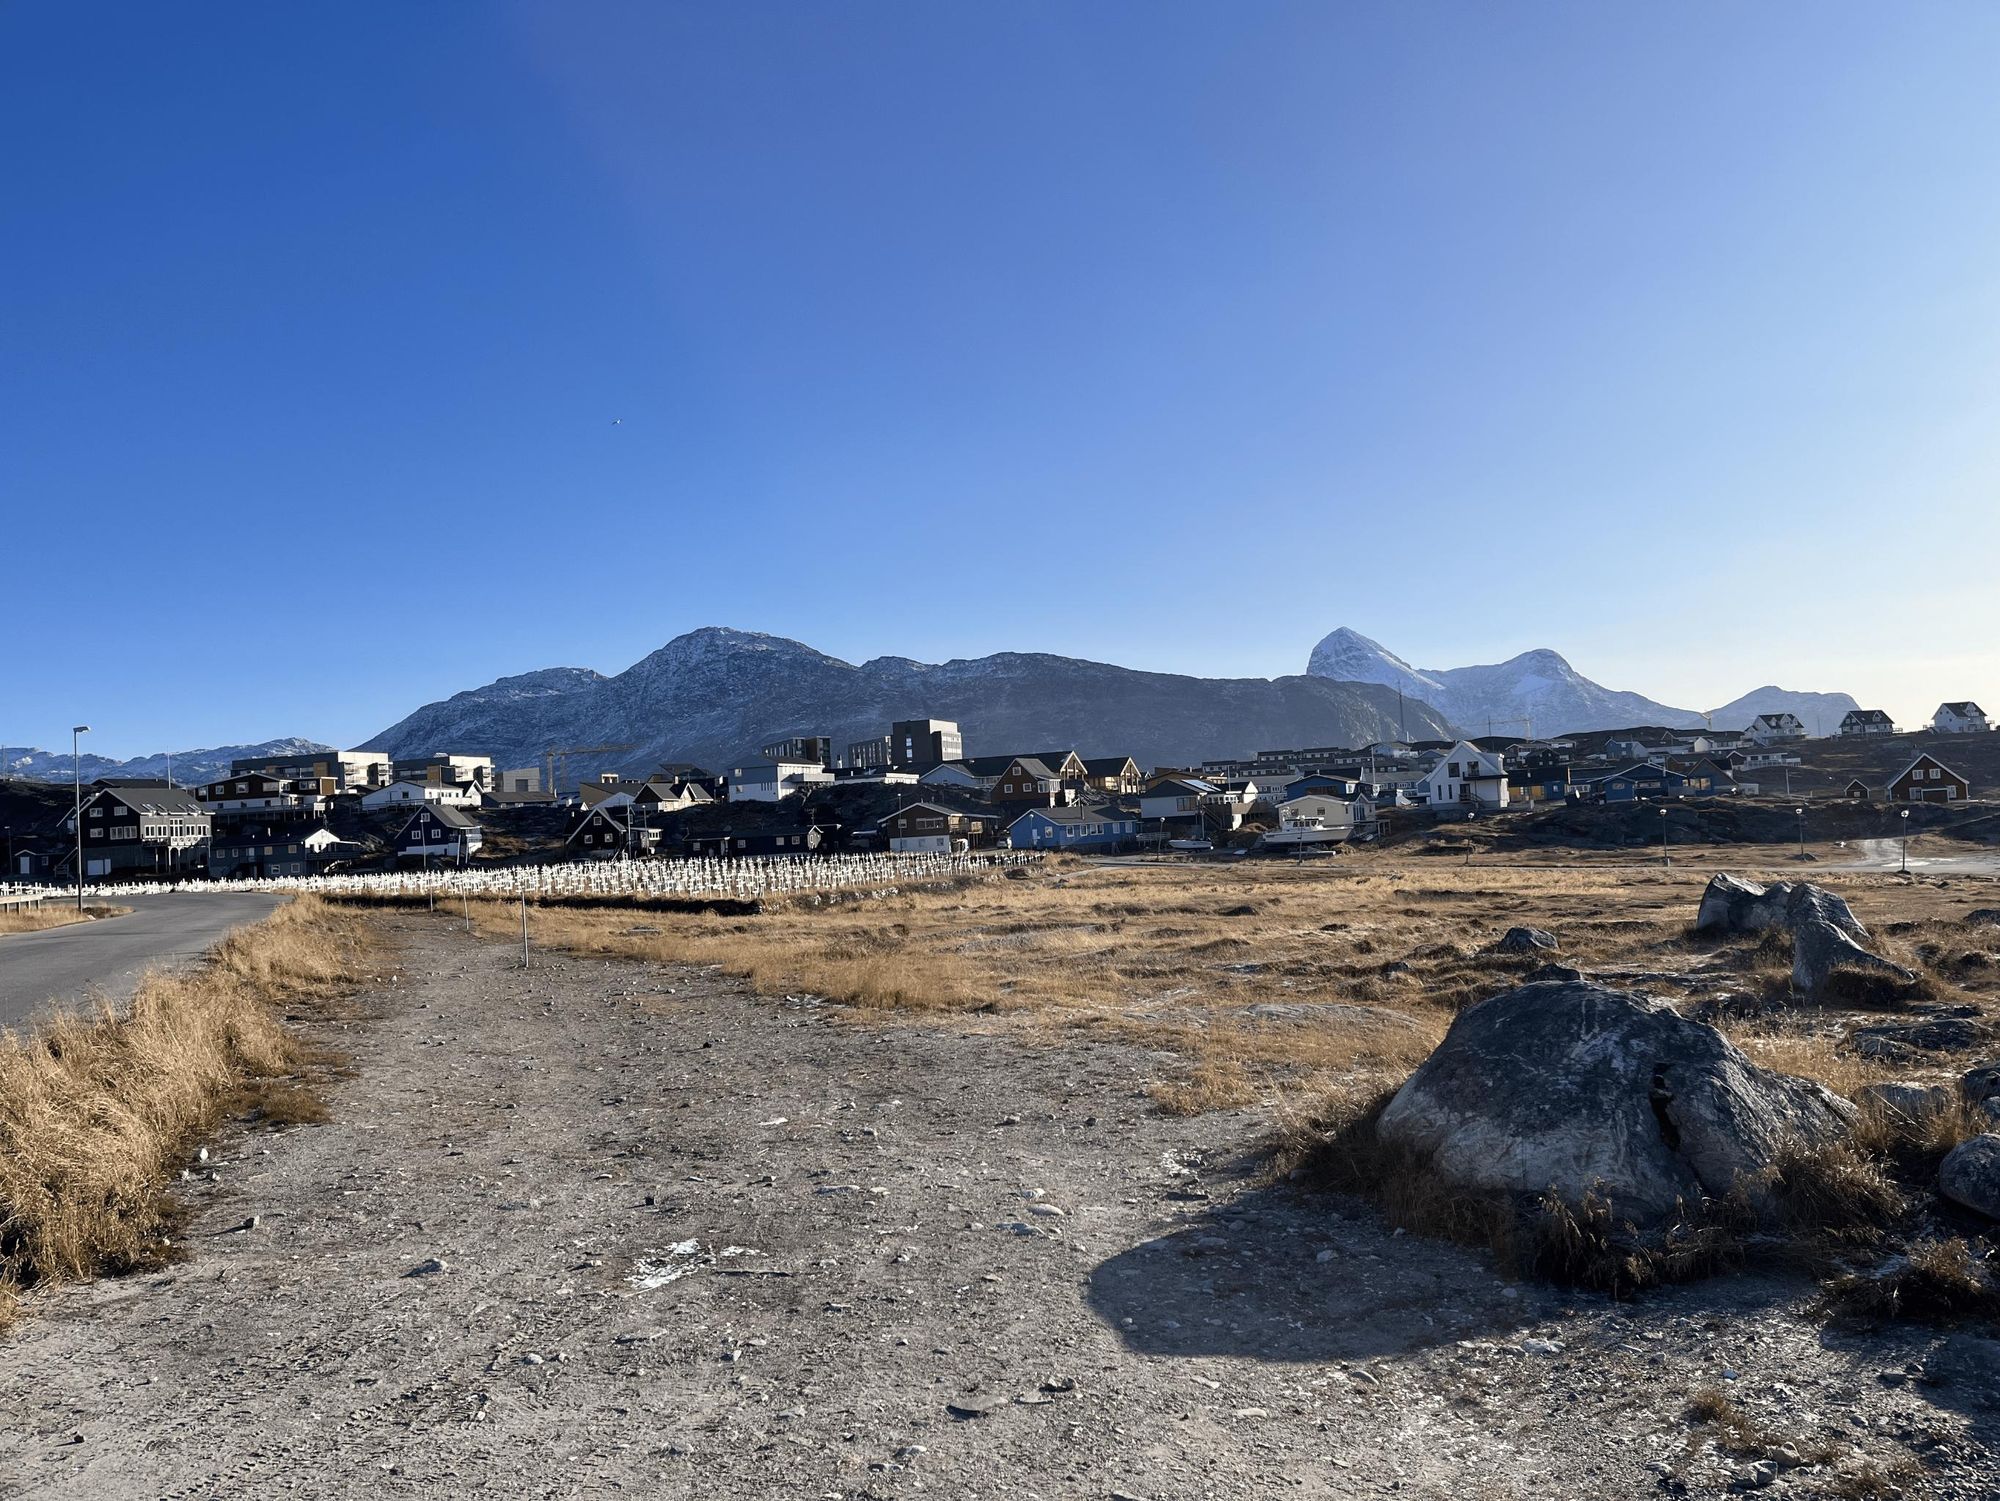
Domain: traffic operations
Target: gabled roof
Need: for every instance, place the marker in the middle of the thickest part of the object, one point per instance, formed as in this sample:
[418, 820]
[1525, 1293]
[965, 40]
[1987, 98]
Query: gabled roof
[1783, 716]
[1035, 767]
[150, 797]
[985, 814]
[1103, 766]
[1866, 716]
[1181, 787]
[1921, 759]
[1965, 708]
[1080, 813]
[444, 813]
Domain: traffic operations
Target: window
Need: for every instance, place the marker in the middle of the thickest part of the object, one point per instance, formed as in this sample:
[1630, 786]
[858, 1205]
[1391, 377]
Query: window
[97, 833]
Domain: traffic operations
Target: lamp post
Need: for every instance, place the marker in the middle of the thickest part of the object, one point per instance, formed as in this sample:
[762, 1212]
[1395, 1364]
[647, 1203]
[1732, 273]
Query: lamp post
[76, 733]
[1665, 858]
[1801, 812]
[1906, 841]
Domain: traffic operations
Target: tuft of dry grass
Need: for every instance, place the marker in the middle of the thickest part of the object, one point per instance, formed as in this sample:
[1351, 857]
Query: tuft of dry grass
[97, 1113]
[53, 915]
[1935, 1281]
[1743, 1436]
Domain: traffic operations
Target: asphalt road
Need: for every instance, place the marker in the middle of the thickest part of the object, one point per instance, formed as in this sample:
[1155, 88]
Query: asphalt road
[75, 965]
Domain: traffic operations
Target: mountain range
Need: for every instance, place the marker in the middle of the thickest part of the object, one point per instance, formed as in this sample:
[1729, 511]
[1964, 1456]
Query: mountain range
[713, 695]
[1541, 687]
[188, 768]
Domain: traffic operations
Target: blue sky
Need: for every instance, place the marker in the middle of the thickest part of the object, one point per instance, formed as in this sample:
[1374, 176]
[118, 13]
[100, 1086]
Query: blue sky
[353, 355]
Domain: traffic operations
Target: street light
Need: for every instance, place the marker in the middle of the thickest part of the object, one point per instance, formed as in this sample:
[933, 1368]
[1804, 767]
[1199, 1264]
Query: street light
[1906, 841]
[76, 775]
[1801, 812]
[1665, 859]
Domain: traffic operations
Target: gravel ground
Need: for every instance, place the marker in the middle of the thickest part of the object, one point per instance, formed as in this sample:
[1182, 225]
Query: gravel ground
[600, 1229]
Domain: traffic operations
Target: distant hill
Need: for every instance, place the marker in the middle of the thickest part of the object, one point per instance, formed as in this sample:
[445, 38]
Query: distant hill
[713, 695]
[190, 768]
[1541, 687]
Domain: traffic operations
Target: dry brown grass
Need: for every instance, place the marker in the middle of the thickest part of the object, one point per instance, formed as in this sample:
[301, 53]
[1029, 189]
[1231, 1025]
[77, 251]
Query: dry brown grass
[1248, 980]
[1938, 1281]
[53, 915]
[97, 1113]
[1737, 1433]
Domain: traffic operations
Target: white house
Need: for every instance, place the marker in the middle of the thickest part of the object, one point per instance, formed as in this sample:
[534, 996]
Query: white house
[773, 781]
[1962, 718]
[1768, 729]
[1466, 777]
[1319, 819]
[416, 794]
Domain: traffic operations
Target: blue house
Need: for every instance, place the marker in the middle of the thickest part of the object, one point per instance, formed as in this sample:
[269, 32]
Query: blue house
[1538, 784]
[1079, 826]
[1649, 780]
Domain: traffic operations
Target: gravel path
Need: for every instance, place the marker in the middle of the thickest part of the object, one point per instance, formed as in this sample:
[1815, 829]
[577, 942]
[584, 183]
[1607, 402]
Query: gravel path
[698, 1244]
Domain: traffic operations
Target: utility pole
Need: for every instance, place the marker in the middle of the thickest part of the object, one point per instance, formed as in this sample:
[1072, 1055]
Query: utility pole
[77, 775]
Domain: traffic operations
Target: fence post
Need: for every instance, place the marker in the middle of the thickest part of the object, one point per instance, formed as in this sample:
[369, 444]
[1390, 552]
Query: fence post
[524, 930]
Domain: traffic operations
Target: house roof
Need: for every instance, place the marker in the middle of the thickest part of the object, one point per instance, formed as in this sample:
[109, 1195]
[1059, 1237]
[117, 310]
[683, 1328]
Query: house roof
[1867, 716]
[1181, 787]
[1080, 813]
[1965, 708]
[1933, 760]
[1100, 766]
[444, 813]
[150, 797]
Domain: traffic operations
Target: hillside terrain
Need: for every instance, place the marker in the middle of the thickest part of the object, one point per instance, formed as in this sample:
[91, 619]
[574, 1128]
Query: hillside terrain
[1541, 689]
[188, 768]
[713, 695]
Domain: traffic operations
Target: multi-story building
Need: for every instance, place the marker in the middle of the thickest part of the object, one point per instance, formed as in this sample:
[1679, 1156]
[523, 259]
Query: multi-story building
[137, 828]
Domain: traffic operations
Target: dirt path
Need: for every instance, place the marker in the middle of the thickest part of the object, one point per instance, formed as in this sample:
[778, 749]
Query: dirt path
[697, 1244]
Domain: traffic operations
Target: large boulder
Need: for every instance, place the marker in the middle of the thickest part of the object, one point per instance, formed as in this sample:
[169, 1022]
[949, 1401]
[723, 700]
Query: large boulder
[1911, 1104]
[1826, 935]
[1576, 1087]
[1935, 1034]
[1970, 1175]
[1526, 941]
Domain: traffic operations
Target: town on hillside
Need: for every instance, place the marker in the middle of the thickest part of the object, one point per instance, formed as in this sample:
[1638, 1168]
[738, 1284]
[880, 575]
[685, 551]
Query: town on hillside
[919, 788]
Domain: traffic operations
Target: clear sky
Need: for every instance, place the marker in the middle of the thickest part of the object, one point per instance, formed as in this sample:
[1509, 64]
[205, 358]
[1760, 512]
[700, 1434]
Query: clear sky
[351, 355]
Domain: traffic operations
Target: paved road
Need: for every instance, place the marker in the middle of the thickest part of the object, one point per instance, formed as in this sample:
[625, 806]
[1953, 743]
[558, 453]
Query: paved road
[72, 965]
[1926, 856]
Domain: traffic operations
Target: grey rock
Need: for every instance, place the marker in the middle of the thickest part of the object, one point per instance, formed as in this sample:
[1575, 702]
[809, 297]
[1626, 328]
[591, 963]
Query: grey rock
[1937, 1034]
[1578, 1088]
[1970, 1175]
[1980, 1083]
[1826, 935]
[1970, 1366]
[1550, 972]
[1914, 1103]
[431, 1268]
[1983, 917]
[1526, 941]
[974, 1407]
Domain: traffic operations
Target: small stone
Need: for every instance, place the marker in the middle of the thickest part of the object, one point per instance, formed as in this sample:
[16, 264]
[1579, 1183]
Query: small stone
[1541, 1347]
[430, 1268]
[1047, 1211]
[973, 1407]
[1327, 1255]
[531, 1358]
[1059, 1384]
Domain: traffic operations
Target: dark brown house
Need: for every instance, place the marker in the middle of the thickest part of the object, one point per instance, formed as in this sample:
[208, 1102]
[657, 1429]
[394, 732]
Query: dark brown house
[933, 827]
[138, 829]
[1929, 780]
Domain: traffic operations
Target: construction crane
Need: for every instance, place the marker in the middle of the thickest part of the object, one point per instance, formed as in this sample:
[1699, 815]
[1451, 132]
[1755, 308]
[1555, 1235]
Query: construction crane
[557, 760]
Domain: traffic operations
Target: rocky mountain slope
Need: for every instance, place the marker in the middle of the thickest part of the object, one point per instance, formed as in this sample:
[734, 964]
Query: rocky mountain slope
[1540, 686]
[189, 768]
[713, 695]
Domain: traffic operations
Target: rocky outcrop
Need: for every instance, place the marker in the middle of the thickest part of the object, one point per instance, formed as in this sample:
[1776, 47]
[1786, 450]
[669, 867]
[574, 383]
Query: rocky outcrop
[1579, 1088]
[1933, 1034]
[1526, 941]
[1970, 1175]
[1827, 938]
[1910, 1103]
